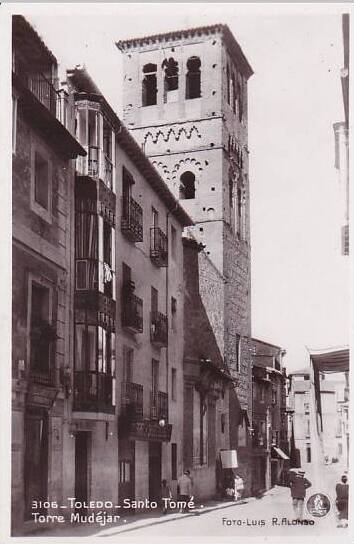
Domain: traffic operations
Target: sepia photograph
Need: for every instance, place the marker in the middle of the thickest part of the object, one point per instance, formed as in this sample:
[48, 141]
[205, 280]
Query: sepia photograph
[179, 273]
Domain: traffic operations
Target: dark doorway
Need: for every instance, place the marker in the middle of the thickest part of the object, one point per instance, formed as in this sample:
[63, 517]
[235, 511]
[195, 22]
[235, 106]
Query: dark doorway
[81, 467]
[154, 471]
[36, 460]
[126, 489]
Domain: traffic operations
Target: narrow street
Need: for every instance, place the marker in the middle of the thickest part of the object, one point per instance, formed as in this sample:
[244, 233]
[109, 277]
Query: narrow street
[267, 516]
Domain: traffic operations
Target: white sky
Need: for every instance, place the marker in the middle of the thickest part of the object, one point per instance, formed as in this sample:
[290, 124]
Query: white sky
[300, 293]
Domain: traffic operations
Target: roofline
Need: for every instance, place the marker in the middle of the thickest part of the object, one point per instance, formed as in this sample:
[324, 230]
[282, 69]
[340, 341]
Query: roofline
[235, 48]
[21, 20]
[267, 343]
[133, 150]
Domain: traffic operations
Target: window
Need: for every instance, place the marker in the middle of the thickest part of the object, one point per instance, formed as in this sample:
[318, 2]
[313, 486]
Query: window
[173, 313]
[154, 301]
[128, 359]
[154, 375]
[187, 186]
[41, 181]
[308, 453]
[107, 258]
[173, 241]
[193, 78]
[238, 352]
[173, 461]
[173, 384]
[222, 420]
[42, 334]
[239, 102]
[155, 218]
[86, 250]
[149, 85]
[228, 85]
[170, 80]
[308, 427]
[124, 471]
[231, 192]
[274, 396]
[200, 430]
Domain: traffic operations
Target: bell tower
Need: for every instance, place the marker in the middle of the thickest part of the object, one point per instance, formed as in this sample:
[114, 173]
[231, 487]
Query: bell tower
[185, 102]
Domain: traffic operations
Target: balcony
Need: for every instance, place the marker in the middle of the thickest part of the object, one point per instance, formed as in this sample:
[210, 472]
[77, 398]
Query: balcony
[158, 247]
[132, 401]
[132, 220]
[159, 405]
[93, 392]
[132, 311]
[159, 329]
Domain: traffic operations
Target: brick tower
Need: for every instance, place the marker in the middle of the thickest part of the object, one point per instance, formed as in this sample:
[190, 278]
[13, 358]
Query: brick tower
[185, 102]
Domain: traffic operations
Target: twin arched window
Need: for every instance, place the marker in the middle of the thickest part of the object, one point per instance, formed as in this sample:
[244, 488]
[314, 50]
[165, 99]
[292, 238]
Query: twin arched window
[171, 81]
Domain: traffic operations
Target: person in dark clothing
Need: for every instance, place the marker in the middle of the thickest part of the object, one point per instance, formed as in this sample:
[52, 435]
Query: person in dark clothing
[342, 493]
[298, 485]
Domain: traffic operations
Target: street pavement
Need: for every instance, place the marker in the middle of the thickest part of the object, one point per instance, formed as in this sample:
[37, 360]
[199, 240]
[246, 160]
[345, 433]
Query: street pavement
[269, 516]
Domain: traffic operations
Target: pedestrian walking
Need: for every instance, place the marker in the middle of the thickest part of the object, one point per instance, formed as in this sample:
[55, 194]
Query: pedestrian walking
[298, 485]
[184, 489]
[342, 493]
[166, 495]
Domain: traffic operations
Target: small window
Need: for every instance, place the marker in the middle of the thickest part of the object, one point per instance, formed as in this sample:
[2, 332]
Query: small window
[124, 472]
[174, 384]
[41, 181]
[170, 80]
[193, 87]
[173, 241]
[238, 352]
[308, 453]
[173, 461]
[223, 423]
[149, 85]
[128, 358]
[187, 186]
[231, 192]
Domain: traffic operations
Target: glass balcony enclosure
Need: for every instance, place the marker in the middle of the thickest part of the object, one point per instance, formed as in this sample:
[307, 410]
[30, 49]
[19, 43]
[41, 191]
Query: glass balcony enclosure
[97, 137]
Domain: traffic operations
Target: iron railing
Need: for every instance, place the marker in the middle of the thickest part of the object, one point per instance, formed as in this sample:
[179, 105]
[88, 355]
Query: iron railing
[132, 220]
[93, 391]
[132, 400]
[159, 329]
[158, 247]
[132, 311]
[159, 405]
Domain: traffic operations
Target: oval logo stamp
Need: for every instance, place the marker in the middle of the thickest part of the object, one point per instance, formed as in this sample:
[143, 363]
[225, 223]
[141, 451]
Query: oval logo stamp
[318, 505]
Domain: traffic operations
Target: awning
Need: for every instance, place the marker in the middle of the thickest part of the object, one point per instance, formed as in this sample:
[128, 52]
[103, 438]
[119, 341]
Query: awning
[280, 453]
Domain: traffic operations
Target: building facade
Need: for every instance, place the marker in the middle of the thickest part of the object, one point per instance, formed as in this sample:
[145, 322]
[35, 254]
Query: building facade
[43, 189]
[185, 102]
[333, 431]
[128, 309]
[269, 417]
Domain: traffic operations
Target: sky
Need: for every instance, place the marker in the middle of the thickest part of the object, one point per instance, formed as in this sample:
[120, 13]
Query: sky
[300, 291]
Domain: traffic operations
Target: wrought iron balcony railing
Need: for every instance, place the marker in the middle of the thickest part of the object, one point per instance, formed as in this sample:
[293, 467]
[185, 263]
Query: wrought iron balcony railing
[159, 405]
[132, 400]
[132, 220]
[93, 391]
[56, 101]
[132, 311]
[159, 329]
[158, 247]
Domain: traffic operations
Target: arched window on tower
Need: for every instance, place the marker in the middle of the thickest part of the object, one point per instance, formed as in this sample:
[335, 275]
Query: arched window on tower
[187, 186]
[149, 86]
[240, 102]
[193, 89]
[170, 80]
[233, 97]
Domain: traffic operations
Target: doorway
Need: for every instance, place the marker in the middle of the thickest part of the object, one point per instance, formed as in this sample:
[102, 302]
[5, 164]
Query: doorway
[81, 466]
[36, 460]
[154, 471]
